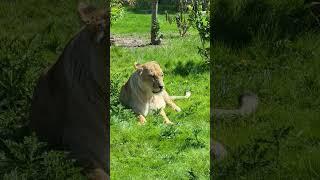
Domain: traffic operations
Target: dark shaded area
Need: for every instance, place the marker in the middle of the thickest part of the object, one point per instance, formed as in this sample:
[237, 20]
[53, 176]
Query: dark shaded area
[32, 36]
[190, 67]
[261, 154]
[236, 23]
[272, 48]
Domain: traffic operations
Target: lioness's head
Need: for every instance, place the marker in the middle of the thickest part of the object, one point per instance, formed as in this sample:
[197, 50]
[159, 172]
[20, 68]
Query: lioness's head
[151, 76]
[96, 20]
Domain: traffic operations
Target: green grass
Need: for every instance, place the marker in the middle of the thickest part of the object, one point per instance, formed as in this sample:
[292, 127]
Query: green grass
[140, 24]
[271, 48]
[155, 150]
[285, 76]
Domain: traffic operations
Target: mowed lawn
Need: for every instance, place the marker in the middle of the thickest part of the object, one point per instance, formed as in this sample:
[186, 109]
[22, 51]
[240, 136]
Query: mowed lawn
[155, 150]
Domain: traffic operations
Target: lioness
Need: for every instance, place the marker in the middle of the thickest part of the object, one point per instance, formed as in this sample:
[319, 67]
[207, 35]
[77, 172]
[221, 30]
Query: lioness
[69, 102]
[145, 92]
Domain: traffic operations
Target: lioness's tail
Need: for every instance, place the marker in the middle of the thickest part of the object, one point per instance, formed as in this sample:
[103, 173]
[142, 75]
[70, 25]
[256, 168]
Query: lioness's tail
[188, 94]
[248, 104]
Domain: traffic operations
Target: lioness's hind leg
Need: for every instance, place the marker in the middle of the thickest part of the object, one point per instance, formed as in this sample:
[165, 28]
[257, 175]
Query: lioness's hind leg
[174, 106]
[170, 102]
[166, 119]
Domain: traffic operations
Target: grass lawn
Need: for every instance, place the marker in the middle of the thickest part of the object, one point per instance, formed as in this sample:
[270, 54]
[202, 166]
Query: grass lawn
[282, 140]
[155, 150]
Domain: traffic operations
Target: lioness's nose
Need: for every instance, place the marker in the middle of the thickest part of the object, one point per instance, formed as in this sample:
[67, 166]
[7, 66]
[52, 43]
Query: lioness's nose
[160, 86]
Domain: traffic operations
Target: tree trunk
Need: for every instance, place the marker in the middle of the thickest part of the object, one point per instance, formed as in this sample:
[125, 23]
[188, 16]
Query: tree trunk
[154, 20]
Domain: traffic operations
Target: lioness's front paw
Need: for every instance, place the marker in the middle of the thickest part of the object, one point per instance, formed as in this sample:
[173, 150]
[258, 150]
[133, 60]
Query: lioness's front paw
[168, 122]
[142, 120]
[177, 109]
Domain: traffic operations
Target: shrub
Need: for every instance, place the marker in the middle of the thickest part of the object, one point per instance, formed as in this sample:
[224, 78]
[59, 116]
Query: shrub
[181, 18]
[200, 20]
[30, 160]
[117, 10]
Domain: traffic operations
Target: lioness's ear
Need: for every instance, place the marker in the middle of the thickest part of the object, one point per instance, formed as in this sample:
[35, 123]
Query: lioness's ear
[138, 66]
[85, 12]
[154, 62]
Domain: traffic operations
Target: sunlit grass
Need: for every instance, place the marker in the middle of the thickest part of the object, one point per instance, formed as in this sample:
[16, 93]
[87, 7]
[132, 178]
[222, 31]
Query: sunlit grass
[155, 150]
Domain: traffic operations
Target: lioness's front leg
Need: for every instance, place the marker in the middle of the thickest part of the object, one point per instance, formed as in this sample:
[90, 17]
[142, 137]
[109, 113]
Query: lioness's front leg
[98, 174]
[142, 119]
[165, 118]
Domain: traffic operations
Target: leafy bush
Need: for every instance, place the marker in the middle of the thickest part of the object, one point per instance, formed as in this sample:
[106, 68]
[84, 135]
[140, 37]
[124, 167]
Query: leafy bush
[194, 14]
[117, 10]
[20, 67]
[182, 22]
[200, 20]
[29, 160]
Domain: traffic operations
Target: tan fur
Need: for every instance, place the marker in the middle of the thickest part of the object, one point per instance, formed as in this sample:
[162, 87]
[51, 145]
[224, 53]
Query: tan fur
[248, 103]
[69, 102]
[144, 92]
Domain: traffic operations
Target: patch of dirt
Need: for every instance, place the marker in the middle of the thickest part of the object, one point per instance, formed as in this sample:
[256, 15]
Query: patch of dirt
[128, 41]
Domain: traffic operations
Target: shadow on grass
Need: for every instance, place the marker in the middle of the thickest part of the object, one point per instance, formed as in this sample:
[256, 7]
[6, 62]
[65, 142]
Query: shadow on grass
[190, 67]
